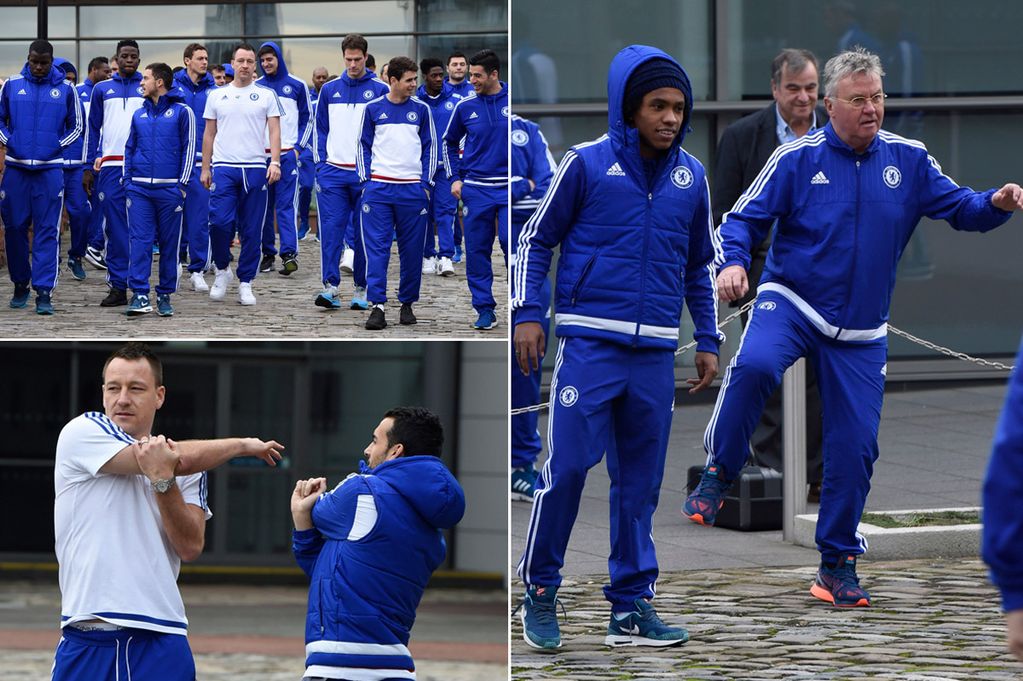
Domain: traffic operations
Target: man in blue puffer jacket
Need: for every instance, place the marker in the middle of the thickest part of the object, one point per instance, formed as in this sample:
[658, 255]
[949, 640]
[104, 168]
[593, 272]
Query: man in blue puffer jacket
[39, 118]
[631, 214]
[369, 547]
[159, 159]
[846, 200]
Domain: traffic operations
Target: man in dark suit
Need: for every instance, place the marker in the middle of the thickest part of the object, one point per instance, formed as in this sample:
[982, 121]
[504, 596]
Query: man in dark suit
[743, 150]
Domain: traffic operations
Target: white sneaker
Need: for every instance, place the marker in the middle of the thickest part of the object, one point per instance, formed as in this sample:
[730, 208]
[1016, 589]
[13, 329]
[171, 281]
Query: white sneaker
[348, 261]
[198, 283]
[245, 296]
[445, 267]
[429, 265]
[220, 282]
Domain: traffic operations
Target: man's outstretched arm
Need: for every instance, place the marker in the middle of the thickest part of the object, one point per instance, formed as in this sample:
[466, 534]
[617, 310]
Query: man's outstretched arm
[196, 456]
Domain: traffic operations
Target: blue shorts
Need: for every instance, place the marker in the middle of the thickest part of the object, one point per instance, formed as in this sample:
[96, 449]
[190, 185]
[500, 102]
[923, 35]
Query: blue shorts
[137, 654]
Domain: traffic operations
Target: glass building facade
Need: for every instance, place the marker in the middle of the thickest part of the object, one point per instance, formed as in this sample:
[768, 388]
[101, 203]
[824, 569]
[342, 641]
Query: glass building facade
[949, 86]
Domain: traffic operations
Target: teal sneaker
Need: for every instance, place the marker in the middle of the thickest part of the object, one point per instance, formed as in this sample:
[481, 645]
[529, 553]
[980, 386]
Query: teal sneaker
[20, 297]
[328, 299]
[523, 484]
[139, 305]
[642, 627]
[163, 305]
[540, 617]
[43, 304]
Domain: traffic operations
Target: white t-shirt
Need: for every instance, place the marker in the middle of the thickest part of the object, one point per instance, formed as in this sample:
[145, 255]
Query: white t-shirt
[241, 113]
[116, 563]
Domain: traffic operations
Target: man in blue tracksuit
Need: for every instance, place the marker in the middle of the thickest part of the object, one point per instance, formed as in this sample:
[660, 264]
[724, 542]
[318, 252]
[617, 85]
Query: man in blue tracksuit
[338, 120]
[113, 103]
[39, 119]
[480, 177]
[296, 130]
[75, 200]
[195, 84]
[532, 168]
[631, 215]
[159, 159]
[397, 160]
[846, 199]
[369, 547]
[1003, 515]
[99, 70]
[441, 99]
[306, 163]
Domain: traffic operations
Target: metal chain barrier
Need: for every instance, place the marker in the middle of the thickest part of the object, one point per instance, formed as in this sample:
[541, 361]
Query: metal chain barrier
[898, 332]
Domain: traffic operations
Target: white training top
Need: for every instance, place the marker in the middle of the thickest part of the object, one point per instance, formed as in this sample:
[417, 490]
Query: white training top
[241, 113]
[116, 563]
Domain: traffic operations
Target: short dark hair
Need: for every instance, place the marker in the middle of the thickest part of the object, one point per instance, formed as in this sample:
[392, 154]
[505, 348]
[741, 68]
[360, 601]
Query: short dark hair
[417, 428]
[178, 69]
[162, 72]
[266, 49]
[454, 54]
[242, 46]
[126, 43]
[192, 48]
[428, 63]
[217, 67]
[488, 59]
[97, 62]
[354, 41]
[134, 351]
[371, 62]
[41, 47]
[399, 66]
[795, 59]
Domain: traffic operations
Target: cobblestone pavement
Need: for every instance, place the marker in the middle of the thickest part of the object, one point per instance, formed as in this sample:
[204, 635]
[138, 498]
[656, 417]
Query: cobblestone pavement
[284, 309]
[932, 620]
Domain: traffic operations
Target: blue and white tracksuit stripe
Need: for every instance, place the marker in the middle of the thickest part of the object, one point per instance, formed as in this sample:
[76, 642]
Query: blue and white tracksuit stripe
[843, 221]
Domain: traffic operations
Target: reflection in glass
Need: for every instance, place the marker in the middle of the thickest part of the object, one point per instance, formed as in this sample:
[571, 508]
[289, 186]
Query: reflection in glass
[304, 18]
[20, 23]
[200, 21]
[454, 15]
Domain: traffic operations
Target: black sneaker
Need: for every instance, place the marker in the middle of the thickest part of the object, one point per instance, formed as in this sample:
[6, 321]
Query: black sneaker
[376, 320]
[406, 317]
[267, 263]
[116, 297]
[289, 264]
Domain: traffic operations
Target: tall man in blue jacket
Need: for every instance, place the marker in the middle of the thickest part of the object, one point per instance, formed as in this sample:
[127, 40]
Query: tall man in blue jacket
[39, 118]
[159, 159]
[631, 214]
[846, 200]
[75, 199]
[353, 541]
[296, 130]
[480, 177]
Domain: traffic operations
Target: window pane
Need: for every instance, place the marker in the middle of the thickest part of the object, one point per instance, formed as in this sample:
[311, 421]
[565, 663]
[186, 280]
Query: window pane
[453, 15]
[199, 21]
[20, 22]
[257, 516]
[303, 18]
[440, 46]
[14, 53]
[34, 404]
[562, 49]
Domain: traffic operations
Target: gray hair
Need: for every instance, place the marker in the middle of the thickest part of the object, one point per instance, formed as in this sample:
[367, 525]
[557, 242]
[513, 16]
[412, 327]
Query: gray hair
[795, 59]
[856, 60]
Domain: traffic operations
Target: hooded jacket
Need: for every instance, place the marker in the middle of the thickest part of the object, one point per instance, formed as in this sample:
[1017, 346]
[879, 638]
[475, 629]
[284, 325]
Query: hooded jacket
[195, 95]
[376, 540]
[483, 121]
[293, 96]
[114, 100]
[74, 153]
[161, 143]
[39, 118]
[631, 250]
[441, 108]
[339, 117]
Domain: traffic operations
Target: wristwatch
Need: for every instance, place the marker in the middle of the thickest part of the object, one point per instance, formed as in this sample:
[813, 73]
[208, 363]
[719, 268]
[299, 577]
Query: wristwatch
[161, 486]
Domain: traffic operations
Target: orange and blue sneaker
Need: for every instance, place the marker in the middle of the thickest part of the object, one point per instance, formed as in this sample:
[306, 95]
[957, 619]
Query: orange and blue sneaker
[540, 617]
[642, 627]
[703, 504]
[839, 585]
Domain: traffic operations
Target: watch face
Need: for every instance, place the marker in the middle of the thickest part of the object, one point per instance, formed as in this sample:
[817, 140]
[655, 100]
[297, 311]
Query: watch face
[162, 486]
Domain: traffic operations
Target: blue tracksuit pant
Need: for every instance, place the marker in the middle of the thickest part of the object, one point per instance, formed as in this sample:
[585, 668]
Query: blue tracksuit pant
[137, 654]
[154, 212]
[79, 211]
[609, 397]
[338, 199]
[112, 197]
[389, 208]
[31, 198]
[485, 209]
[239, 196]
[97, 225]
[284, 204]
[306, 181]
[850, 376]
[525, 392]
[443, 209]
[197, 223]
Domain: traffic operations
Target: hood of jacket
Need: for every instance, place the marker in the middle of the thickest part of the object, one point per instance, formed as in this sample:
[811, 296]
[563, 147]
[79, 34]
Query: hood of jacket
[426, 484]
[348, 80]
[54, 77]
[64, 66]
[282, 68]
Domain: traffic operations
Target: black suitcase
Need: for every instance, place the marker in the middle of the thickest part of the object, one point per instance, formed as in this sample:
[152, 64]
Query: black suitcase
[753, 503]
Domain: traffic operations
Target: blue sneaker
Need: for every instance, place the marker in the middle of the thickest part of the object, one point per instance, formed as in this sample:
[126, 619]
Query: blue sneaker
[139, 305]
[303, 229]
[328, 299]
[359, 299]
[703, 504]
[457, 257]
[43, 304]
[523, 483]
[540, 618]
[839, 585]
[486, 320]
[20, 297]
[642, 627]
[74, 266]
[163, 305]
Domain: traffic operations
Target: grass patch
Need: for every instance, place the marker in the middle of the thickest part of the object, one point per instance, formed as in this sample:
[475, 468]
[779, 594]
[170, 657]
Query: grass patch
[922, 519]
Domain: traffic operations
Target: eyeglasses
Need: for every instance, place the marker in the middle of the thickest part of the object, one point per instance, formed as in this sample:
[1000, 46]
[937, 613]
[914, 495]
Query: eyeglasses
[860, 102]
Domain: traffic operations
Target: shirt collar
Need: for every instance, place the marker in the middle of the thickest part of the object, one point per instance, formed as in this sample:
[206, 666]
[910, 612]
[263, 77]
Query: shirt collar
[784, 132]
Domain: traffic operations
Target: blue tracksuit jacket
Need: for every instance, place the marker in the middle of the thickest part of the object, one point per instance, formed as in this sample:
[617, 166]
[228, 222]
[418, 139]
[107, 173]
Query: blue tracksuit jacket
[113, 102]
[531, 160]
[74, 153]
[161, 143]
[483, 121]
[441, 107]
[39, 119]
[377, 539]
[293, 97]
[630, 252]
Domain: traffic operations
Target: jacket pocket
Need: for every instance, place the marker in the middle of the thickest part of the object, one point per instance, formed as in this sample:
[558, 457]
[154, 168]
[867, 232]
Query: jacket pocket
[583, 274]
